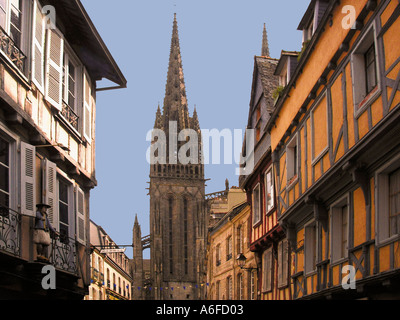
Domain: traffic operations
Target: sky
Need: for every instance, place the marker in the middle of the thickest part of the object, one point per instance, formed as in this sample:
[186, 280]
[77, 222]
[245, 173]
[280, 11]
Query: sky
[218, 41]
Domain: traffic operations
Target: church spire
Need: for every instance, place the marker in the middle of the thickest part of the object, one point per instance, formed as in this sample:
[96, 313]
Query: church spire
[265, 46]
[175, 101]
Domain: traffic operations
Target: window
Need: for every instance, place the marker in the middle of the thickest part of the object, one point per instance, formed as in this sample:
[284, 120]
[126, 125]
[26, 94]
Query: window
[229, 288]
[365, 70]
[69, 82]
[292, 160]
[370, 69]
[240, 239]
[217, 290]
[229, 248]
[256, 204]
[240, 293]
[64, 208]
[269, 190]
[253, 285]
[394, 203]
[339, 230]
[267, 270]
[11, 19]
[388, 200]
[217, 255]
[185, 233]
[170, 212]
[4, 173]
[310, 248]
[283, 265]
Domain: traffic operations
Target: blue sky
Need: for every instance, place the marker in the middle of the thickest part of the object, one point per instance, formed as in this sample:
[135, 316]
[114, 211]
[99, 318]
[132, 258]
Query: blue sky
[219, 40]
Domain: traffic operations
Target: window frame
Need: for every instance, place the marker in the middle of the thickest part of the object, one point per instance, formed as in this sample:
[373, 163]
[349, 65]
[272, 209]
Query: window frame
[382, 205]
[336, 209]
[11, 139]
[69, 56]
[259, 216]
[283, 268]
[292, 161]
[270, 170]
[267, 270]
[312, 224]
[361, 98]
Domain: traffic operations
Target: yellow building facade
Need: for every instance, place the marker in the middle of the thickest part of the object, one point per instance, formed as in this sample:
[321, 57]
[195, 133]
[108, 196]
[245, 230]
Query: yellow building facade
[228, 239]
[336, 152]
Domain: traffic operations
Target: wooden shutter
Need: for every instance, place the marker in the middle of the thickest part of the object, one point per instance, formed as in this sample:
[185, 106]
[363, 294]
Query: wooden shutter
[54, 67]
[28, 195]
[87, 109]
[80, 216]
[280, 263]
[285, 262]
[38, 32]
[50, 192]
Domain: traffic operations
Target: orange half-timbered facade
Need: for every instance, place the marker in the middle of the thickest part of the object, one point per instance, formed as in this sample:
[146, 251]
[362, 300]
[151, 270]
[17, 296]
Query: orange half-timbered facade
[336, 153]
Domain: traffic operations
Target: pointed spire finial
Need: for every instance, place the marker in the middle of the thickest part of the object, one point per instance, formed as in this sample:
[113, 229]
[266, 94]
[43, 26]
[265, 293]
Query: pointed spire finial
[265, 45]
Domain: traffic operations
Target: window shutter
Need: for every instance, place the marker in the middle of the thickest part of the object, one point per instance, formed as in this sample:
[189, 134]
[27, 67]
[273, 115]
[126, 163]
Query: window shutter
[87, 110]
[28, 196]
[50, 192]
[54, 67]
[285, 263]
[38, 32]
[80, 216]
[280, 263]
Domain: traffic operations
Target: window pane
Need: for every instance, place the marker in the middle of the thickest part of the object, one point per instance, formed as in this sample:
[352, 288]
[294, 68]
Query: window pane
[269, 191]
[63, 213]
[4, 176]
[63, 192]
[4, 199]
[4, 152]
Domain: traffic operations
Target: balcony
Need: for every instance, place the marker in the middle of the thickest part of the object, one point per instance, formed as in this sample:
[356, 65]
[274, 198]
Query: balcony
[16, 241]
[70, 116]
[13, 53]
[10, 231]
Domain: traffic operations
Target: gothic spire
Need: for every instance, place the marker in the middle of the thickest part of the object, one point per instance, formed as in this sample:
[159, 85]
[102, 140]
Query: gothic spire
[265, 46]
[175, 102]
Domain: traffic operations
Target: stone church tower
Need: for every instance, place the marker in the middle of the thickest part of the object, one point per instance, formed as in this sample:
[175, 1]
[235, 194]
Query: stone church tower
[178, 226]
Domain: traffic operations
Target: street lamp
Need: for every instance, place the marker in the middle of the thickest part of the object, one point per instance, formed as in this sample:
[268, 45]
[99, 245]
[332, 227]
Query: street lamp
[241, 259]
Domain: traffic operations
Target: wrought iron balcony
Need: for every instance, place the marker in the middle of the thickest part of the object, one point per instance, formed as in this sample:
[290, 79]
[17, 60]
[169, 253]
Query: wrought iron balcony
[10, 231]
[62, 251]
[70, 116]
[10, 49]
[63, 254]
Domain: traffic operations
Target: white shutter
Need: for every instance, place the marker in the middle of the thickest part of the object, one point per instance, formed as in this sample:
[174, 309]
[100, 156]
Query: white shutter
[38, 32]
[87, 109]
[28, 195]
[54, 67]
[50, 192]
[80, 216]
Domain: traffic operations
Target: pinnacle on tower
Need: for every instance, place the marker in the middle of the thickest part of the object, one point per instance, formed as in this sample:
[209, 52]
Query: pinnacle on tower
[265, 46]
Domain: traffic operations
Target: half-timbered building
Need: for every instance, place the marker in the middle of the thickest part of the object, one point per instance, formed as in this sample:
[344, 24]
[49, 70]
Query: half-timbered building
[267, 238]
[50, 59]
[336, 152]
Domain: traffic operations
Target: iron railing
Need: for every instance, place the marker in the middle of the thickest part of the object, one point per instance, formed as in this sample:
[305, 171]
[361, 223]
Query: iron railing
[11, 50]
[62, 251]
[69, 114]
[10, 232]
